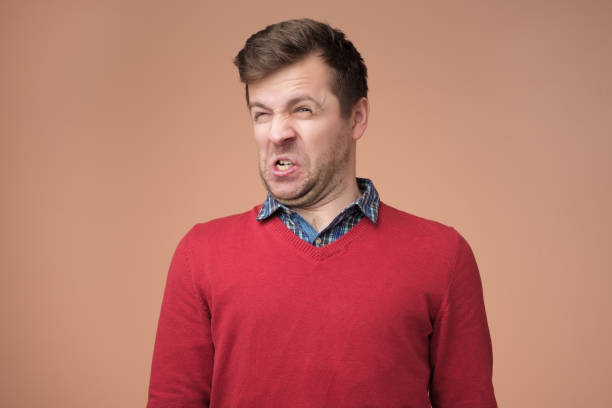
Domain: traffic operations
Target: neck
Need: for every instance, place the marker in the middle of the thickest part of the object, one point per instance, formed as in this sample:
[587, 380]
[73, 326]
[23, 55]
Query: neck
[321, 214]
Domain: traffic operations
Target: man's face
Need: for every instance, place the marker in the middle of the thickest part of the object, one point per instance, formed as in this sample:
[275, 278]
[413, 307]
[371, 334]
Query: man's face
[305, 145]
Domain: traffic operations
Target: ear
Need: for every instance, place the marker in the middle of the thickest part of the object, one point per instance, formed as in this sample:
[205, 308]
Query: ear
[359, 118]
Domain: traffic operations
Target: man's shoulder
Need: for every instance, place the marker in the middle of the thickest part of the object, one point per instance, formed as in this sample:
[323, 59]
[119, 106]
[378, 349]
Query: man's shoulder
[411, 226]
[234, 224]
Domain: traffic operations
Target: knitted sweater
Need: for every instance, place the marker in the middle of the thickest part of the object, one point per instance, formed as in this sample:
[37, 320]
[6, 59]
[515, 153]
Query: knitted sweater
[390, 315]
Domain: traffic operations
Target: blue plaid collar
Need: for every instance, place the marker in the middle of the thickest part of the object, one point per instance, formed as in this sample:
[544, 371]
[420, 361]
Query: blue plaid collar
[368, 202]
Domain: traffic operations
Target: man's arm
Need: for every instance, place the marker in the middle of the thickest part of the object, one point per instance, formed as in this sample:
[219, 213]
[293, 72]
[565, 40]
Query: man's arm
[182, 366]
[460, 347]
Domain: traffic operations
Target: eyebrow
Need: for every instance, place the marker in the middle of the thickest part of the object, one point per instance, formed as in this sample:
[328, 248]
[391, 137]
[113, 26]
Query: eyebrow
[291, 102]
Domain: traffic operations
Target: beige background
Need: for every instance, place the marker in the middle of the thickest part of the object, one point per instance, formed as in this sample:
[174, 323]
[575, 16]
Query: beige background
[122, 124]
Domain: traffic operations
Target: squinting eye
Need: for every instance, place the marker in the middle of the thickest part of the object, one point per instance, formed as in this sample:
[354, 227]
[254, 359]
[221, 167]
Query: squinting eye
[304, 109]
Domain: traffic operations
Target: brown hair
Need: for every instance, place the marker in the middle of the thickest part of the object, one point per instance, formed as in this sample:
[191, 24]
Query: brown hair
[282, 44]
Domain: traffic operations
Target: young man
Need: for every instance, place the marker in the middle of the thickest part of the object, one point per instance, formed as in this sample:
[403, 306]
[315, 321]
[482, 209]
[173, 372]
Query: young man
[323, 296]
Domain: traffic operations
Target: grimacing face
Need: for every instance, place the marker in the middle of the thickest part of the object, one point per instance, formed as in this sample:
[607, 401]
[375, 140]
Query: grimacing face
[306, 148]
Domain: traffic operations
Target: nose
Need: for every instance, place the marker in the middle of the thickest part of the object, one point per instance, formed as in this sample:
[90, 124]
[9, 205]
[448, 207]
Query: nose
[281, 130]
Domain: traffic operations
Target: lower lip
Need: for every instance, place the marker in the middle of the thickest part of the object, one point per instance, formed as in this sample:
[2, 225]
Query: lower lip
[283, 173]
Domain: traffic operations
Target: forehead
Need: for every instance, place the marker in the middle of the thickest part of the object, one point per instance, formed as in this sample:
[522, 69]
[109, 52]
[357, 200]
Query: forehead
[309, 76]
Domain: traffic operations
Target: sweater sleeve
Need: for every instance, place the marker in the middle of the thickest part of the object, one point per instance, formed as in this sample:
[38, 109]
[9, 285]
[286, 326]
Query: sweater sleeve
[460, 346]
[181, 371]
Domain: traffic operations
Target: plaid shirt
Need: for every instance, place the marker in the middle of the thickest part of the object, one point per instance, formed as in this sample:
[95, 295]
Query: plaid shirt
[366, 205]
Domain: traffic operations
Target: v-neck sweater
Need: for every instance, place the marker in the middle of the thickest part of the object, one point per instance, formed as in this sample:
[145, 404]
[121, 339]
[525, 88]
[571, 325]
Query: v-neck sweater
[390, 315]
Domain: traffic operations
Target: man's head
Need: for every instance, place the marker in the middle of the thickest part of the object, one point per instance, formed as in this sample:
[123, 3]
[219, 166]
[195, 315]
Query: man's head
[282, 44]
[305, 116]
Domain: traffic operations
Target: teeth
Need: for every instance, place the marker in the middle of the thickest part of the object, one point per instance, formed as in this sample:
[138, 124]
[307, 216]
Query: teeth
[283, 164]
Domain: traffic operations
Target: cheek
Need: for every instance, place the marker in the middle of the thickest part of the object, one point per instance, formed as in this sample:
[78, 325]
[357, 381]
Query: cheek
[260, 138]
[321, 140]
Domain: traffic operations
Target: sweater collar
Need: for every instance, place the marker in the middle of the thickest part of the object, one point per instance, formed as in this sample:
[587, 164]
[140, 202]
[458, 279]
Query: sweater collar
[368, 202]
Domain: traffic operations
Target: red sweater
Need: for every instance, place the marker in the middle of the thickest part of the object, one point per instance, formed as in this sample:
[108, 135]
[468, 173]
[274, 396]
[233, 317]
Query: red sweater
[390, 315]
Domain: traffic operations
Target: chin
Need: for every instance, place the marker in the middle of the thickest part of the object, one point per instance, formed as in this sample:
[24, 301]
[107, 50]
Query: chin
[290, 193]
[285, 194]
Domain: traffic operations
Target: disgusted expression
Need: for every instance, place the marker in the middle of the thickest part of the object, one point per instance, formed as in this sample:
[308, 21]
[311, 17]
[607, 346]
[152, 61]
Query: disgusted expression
[304, 144]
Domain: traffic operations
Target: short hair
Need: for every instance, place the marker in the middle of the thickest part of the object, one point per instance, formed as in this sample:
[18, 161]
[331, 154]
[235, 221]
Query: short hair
[282, 44]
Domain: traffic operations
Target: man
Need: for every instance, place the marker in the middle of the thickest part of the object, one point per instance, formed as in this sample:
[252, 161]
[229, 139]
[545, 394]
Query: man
[323, 296]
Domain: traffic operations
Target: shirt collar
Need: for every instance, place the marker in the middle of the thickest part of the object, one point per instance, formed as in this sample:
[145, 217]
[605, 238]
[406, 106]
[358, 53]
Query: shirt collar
[368, 202]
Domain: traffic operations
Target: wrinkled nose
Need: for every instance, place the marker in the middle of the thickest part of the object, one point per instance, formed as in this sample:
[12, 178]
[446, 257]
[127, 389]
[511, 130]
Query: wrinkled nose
[281, 130]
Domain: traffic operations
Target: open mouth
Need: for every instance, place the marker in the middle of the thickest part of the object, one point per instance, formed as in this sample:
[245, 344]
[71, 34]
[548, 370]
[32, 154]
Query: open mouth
[283, 164]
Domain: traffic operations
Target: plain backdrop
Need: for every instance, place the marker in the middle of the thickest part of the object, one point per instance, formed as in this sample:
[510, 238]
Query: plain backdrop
[123, 124]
